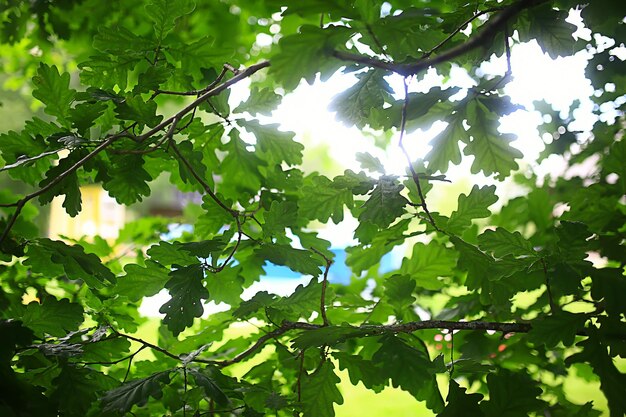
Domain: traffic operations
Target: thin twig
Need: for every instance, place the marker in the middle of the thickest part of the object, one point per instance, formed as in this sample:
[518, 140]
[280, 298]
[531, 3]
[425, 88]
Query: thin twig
[414, 174]
[22, 161]
[553, 306]
[203, 183]
[329, 262]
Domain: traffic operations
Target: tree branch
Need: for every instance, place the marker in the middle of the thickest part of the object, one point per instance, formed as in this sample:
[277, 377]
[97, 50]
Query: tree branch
[487, 31]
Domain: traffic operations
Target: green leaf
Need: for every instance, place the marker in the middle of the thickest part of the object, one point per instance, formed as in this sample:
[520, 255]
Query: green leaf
[276, 146]
[259, 301]
[369, 162]
[127, 180]
[281, 215]
[297, 260]
[445, 146]
[302, 55]
[492, 151]
[75, 262]
[428, 263]
[165, 12]
[612, 381]
[53, 90]
[354, 105]
[501, 242]
[166, 253]
[362, 370]
[121, 42]
[84, 115]
[560, 326]
[460, 403]
[614, 162]
[551, 31]
[241, 166]
[319, 392]
[211, 388]
[54, 317]
[398, 290]
[68, 186]
[321, 200]
[187, 292]
[511, 395]
[385, 203]
[410, 369]
[76, 389]
[135, 109]
[262, 101]
[137, 392]
[142, 282]
[200, 55]
[194, 159]
[304, 300]
[472, 206]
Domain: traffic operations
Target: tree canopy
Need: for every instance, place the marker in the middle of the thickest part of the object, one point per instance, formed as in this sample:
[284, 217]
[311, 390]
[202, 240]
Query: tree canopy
[124, 92]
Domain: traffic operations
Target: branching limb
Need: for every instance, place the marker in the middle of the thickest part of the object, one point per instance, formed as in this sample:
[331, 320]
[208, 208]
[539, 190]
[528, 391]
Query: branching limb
[19, 205]
[486, 33]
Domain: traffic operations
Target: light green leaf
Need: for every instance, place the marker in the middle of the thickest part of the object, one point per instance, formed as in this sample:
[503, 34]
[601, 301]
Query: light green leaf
[472, 206]
[319, 392]
[370, 162]
[492, 151]
[164, 13]
[281, 215]
[302, 55]
[321, 200]
[445, 146]
[276, 146]
[427, 263]
[501, 242]
[355, 104]
[53, 90]
[262, 101]
[141, 281]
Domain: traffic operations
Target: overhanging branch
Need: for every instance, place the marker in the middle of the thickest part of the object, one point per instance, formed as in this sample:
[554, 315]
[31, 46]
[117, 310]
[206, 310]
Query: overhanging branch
[486, 33]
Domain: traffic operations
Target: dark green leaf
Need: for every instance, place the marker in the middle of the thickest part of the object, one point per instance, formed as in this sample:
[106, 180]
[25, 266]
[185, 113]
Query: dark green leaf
[511, 395]
[54, 317]
[187, 292]
[135, 392]
[385, 202]
[558, 327]
[296, 259]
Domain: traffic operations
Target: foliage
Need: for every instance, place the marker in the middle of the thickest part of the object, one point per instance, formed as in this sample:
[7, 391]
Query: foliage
[130, 91]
